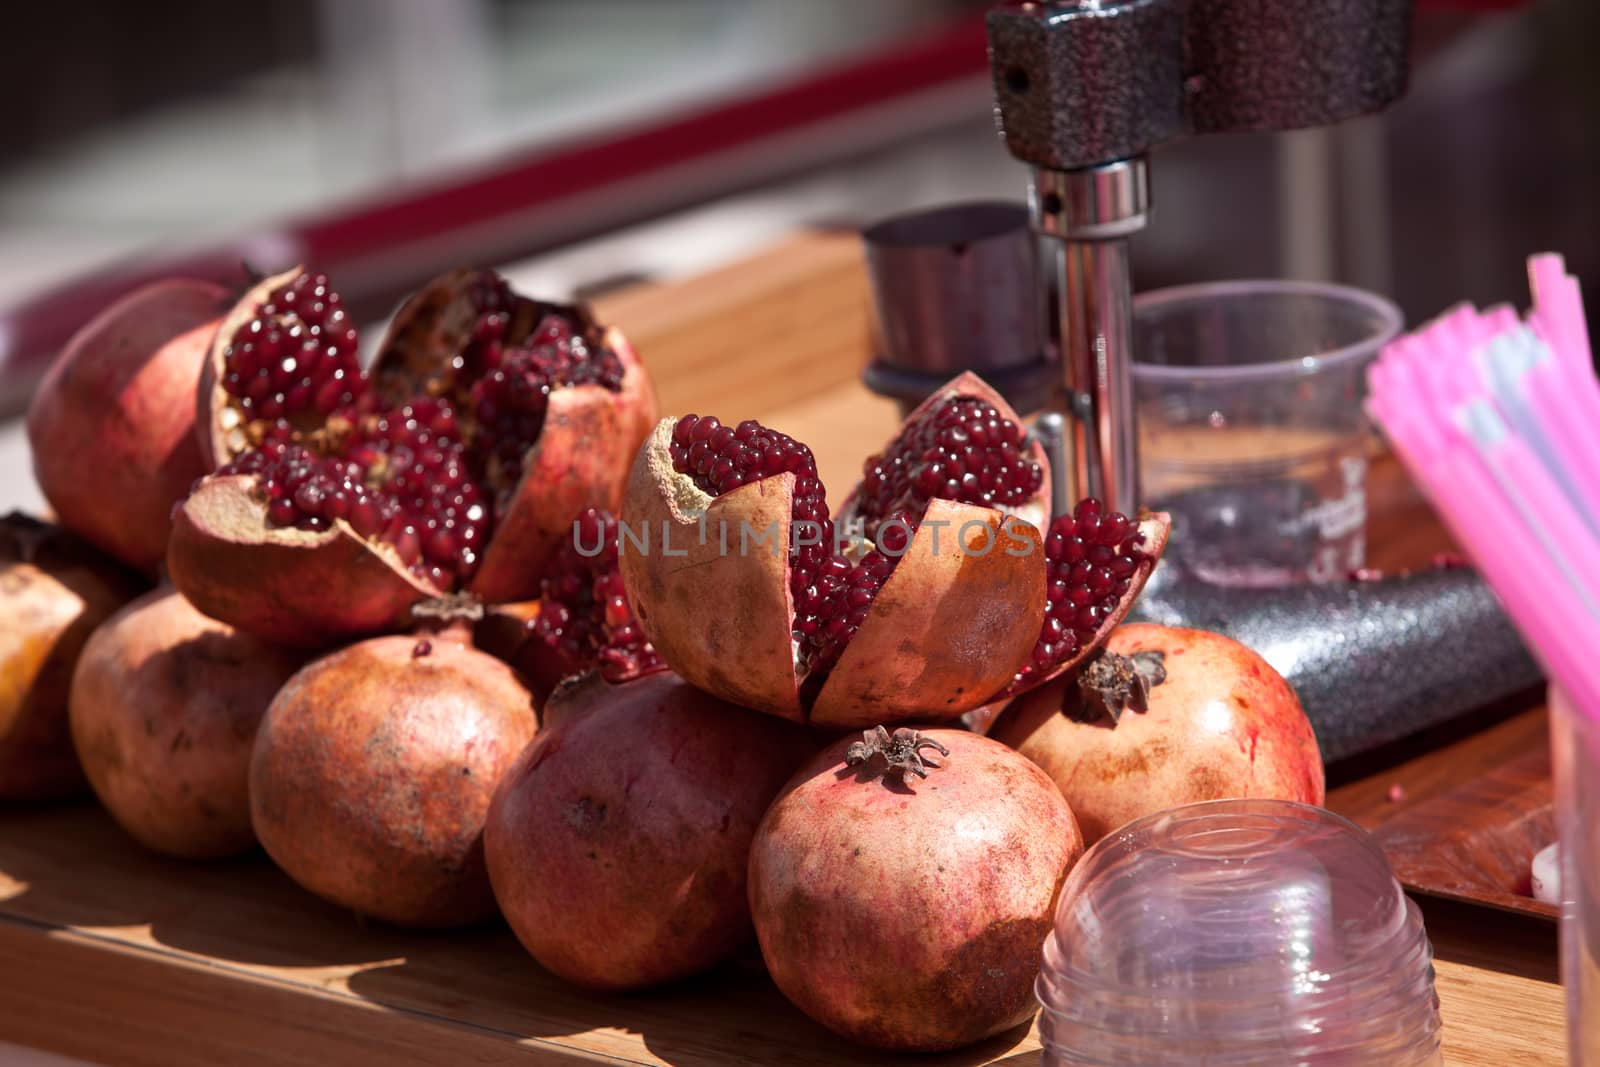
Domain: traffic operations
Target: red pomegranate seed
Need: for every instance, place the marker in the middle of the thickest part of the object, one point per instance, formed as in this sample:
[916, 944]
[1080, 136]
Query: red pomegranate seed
[1090, 558]
[964, 450]
[583, 607]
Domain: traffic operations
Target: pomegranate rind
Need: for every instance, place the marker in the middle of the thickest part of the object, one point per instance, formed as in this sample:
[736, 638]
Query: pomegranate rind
[912, 916]
[1155, 526]
[112, 427]
[164, 708]
[294, 587]
[373, 771]
[1223, 724]
[581, 459]
[220, 424]
[954, 622]
[618, 844]
[54, 592]
[1036, 509]
[719, 613]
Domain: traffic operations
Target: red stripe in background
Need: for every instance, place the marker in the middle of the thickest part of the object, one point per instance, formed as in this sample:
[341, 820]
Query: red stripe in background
[552, 174]
[32, 333]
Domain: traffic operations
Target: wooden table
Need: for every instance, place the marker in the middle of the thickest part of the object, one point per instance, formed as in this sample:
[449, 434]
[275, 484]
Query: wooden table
[117, 956]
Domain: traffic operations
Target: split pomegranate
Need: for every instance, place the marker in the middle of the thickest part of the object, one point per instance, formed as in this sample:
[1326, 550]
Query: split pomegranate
[164, 709]
[748, 587]
[902, 885]
[582, 620]
[618, 843]
[54, 590]
[932, 593]
[373, 770]
[489, 421]
[1168, 716]
[111, 426]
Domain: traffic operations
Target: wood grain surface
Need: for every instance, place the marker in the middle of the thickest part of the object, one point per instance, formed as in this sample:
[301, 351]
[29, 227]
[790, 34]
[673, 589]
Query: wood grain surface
[120, 957]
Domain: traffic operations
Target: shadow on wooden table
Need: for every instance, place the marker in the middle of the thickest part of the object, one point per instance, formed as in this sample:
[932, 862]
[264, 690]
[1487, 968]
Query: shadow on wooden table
[243, 910]
[500, 988]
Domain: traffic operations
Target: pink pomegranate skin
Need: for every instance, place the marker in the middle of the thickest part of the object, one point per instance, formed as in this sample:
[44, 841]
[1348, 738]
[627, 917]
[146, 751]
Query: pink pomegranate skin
[1223, 724]
[165, 705]
[54, 591]
[373, 771]
[618, 843]
[112, 425]
[912, 917]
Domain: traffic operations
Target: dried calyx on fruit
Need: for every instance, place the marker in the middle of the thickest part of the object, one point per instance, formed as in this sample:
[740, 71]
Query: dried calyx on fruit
[458, 462]
[894, 755]
[1111, 684]
[932, 592]
[907, 604]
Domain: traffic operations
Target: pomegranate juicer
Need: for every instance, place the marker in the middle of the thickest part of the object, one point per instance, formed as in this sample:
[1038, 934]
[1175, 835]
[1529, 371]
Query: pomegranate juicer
[1084, 89]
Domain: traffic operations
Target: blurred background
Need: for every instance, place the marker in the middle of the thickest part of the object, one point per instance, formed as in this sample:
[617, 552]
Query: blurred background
[589, 144]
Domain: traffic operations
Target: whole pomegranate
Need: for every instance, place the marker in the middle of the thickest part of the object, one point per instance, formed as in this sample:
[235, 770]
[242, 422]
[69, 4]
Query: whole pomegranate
[373, 770]
[1168, 716]
[955, 591]
[460, 462]
[54, 590]
[111, 427]
[582, 620]
[164, 708]
[618, 842]
[902, 886]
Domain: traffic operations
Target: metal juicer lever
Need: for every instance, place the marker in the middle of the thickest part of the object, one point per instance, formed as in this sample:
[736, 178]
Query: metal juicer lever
[1085, 88]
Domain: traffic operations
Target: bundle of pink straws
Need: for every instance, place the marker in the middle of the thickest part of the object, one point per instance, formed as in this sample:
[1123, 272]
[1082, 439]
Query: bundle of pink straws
[1498, 419]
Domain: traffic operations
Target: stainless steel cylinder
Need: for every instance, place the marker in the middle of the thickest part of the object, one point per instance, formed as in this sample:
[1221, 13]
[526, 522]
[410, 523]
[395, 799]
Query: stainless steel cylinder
[1086, 216]
[954, 288]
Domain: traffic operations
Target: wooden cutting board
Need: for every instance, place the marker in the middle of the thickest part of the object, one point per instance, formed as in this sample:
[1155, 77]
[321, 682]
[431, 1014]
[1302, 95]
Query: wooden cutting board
[117, 956]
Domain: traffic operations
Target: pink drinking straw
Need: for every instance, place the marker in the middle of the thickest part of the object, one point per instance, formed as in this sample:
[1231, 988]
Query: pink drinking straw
[1535, 494]
[1543, 607]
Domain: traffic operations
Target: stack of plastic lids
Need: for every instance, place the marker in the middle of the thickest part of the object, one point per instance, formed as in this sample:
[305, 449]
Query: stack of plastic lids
[1234, 933]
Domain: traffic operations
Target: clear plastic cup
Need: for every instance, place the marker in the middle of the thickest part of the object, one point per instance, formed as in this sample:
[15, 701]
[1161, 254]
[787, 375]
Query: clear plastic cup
[1575, 766]
[1235, 933]
[1251, 430]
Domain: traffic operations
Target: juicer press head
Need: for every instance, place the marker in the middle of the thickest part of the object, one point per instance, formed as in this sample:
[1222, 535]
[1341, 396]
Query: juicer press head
[1084, 89]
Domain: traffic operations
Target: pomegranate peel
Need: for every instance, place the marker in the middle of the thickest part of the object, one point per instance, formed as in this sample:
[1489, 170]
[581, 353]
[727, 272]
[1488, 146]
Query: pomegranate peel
[970, 612]
[295, 587]
[909, 912]
[222, 427]
[111, 428]
[1219, 723]
[373, 770]
[55, 591]
[581, 459]
[583, 450]
[734, 642]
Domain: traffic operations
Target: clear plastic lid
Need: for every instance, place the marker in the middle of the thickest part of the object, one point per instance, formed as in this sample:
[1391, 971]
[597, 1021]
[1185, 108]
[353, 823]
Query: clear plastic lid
[1238, 927]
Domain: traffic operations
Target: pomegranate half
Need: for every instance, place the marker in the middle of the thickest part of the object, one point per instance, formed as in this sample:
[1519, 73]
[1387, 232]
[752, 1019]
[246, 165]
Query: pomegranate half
[373, 770]
[111, 427]
[1171, 716]
[54, 590]
[617, 844]
[459, 463]
[938, 588]
[902, 885]
[164, 708]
